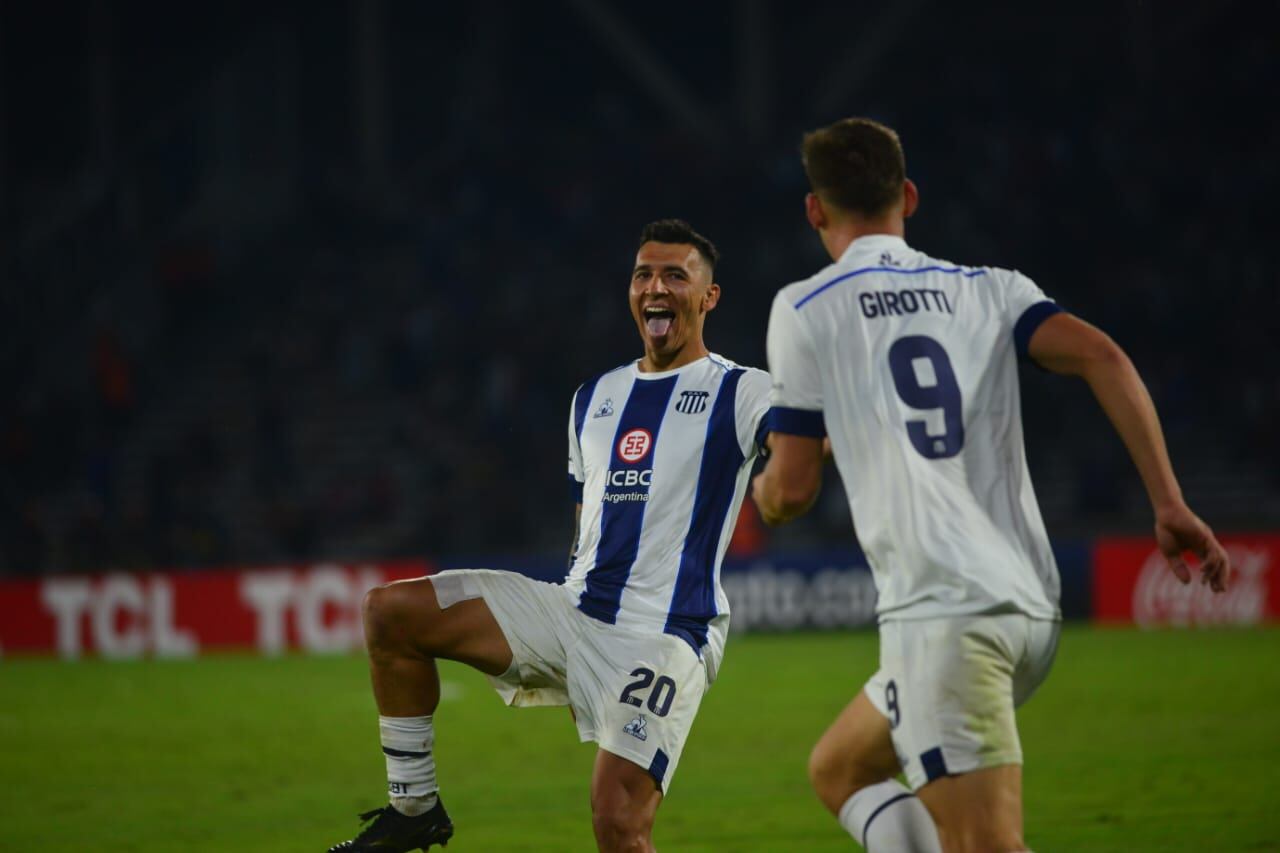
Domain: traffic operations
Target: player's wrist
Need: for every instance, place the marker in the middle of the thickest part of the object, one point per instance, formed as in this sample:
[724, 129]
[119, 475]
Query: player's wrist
[1167, 501]
[1171, 509]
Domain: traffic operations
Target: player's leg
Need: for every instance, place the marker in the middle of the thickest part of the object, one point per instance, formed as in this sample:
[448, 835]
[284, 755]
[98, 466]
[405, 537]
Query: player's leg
[978, 811]
[852, 770]
[624, 800]
[982, 809]
[406, 630]
[961, 725]
[408, 625]
[855, 752]
[636, 696]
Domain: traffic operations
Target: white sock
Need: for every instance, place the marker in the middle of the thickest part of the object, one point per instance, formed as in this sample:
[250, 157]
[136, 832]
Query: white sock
[411, 768]
[887, 818]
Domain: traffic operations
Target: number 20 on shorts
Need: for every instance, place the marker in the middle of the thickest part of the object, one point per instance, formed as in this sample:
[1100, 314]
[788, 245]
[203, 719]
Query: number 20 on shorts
[660, 698]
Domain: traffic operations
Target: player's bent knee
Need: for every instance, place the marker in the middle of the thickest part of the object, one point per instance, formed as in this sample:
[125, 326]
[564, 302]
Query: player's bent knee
[388, 610]
[830, 778]
[380, 607]
[821, 771]
[834, 777]
[373, 611]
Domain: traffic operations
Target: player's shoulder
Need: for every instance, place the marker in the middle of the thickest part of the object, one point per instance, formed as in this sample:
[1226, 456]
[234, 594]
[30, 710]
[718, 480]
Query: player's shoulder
[595, 380]
[752, 380]
[917, 261]
[996, 282]
[795, 293]
[978, 273]
[728, 365]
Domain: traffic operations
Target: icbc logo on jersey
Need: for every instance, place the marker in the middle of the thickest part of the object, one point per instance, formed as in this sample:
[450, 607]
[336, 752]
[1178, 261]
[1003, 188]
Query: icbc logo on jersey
[631, 484]
[634, 445]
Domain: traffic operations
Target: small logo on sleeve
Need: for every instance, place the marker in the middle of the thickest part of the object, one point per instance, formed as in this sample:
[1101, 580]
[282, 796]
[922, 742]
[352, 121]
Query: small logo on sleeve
[605, 410]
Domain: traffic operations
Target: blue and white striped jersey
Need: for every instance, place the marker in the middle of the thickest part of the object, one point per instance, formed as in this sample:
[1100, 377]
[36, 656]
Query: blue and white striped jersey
[660, 463]
[909, 363]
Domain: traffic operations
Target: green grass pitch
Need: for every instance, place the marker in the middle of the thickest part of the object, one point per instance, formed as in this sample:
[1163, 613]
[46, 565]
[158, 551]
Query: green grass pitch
[1138, 741]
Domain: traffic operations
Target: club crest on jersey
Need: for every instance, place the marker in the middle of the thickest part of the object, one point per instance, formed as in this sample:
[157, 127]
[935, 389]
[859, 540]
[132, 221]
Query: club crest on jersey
[635, 728]
[692, 402]
[605, 410]
[634, 445]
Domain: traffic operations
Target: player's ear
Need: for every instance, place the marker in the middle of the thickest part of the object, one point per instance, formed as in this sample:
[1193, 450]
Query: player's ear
[815, 212]
[910, 198]
[711, 298]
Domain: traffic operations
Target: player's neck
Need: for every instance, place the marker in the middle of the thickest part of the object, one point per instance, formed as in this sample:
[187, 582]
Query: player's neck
[837, 236]
[661, 362]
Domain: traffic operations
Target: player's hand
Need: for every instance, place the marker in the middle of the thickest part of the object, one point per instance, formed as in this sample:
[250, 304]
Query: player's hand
[1178, 529]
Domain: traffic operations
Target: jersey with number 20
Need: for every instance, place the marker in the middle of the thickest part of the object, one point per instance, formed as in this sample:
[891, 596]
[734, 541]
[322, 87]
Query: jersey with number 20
[910, 364]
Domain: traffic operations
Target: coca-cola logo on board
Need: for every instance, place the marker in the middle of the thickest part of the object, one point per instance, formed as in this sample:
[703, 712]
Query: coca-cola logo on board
[1159, 598]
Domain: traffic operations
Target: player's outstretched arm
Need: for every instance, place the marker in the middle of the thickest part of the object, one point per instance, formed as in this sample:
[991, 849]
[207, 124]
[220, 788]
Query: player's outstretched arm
[1066, 344]
[792, 478]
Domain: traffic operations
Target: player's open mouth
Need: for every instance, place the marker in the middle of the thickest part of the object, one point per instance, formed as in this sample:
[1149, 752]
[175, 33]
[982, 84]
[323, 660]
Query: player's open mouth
[657, 320]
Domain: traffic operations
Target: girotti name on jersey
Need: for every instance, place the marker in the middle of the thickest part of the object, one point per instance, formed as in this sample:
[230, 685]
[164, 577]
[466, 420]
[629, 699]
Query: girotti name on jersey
[883, 303]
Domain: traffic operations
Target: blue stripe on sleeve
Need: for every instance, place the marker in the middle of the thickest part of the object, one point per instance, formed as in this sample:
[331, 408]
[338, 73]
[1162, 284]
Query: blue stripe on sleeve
[1029, 322]
[804, 422]
[621, 519]
[575, 490]
[693, 602]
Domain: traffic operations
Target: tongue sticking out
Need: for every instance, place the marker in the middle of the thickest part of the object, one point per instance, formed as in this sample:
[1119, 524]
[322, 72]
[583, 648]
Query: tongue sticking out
[658, 326]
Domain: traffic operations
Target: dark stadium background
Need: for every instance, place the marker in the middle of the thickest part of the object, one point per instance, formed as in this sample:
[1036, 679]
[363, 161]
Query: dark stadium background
[294, 296]
[300, 281]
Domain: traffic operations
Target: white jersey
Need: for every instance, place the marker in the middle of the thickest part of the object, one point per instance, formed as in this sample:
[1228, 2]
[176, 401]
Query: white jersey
[909, 363]
[660, 463]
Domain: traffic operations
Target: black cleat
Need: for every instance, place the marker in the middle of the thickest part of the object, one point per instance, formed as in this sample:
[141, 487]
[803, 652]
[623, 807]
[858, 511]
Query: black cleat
[393, 832]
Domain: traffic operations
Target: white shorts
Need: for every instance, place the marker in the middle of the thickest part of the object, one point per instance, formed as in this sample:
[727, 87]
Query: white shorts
[633, 694]
[949, 686]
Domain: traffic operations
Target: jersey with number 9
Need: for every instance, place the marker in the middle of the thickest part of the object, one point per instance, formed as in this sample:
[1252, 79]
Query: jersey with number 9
[909, 364]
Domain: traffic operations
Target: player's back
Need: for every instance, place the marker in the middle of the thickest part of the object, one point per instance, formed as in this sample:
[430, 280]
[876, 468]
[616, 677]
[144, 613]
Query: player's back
[918, 382]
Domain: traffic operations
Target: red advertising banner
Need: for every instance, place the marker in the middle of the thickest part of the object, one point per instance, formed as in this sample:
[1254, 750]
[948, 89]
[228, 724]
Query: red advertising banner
[1132, 584]
[314, 609]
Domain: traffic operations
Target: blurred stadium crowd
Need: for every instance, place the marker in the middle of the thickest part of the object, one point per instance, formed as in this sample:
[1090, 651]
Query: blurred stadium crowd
[283, 289]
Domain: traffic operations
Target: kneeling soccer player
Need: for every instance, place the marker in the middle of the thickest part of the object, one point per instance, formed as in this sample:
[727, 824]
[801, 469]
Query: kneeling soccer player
[660, 452]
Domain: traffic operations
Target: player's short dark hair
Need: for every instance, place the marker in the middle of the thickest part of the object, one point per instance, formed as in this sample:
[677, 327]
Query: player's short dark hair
[856, 164]
[679, 231]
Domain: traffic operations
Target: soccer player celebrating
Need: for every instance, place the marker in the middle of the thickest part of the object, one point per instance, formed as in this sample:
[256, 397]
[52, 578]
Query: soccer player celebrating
[908, 363]
[660, 454]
